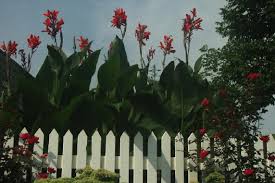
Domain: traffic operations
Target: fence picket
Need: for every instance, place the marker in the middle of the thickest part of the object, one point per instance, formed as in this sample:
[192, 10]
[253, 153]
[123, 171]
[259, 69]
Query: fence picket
[38, 148]
[124, 158]
[152, 159]
[179, 158]
[96, 150]
[67, 157]
[53, 150]
[192, 147]
[165, 158]
[138, 158]
[109, 163]
[81, 157]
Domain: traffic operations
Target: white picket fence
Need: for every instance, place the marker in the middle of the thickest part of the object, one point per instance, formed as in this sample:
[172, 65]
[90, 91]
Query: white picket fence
[124, 162]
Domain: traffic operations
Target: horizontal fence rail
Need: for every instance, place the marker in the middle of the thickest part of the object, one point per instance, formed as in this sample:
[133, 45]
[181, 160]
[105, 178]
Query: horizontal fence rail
[126, 161]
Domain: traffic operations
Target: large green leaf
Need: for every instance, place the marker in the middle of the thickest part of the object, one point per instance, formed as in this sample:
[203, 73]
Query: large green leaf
[79, 78]
[127, 81]
[167, 75]
[198, 65]
[117, 47]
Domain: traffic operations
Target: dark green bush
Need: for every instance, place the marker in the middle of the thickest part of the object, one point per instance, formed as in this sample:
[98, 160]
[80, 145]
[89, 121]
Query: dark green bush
[215, 177]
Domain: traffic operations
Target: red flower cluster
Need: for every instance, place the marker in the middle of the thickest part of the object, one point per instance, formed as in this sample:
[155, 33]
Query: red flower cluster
[248, 171]
[205, 102]
[10, 48]
[202, 131]
[264, 138]
[29, 139]
[33, 41]
[271, 157]
[83, 43]
[44, 156]
[141, 34]
[151, 54]
[166, 46]
[119, 19]
[52, 23]
[203, 154]
[45, 175]
[190, 23]
[253, 75]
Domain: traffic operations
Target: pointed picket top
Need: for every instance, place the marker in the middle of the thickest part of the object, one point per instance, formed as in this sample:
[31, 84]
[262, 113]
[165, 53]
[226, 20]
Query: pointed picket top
[179, 158]
[138, 136]
[110, 152]
[192, 149]
[165, 165]
[38, 148]
[152, 159]
[53, 150]
[81, 157]
[138, 158]
[96, 150]
[124, 157]
[206, 142]
[67, 154]
[21, 141]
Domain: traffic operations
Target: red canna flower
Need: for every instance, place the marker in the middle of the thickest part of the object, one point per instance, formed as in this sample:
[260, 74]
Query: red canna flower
[253, 75]
[10, 48]
[44, 156]
[52, 23]
[51, 170]
[190, 23]
[202, 131]
[264, 138]
[205, 102]
[33, 140]
[33, 41]
[271, 157]
[248, 171]
[141, 34]
[203, 154]
[119, 18]
[24, 136]
[42, 175]
[83, 43]
[166, 45]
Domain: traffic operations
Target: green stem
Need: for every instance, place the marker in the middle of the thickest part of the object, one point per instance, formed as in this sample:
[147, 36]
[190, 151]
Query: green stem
[163, 62]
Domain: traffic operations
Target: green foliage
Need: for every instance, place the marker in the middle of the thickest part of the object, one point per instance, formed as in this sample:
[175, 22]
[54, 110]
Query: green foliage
[87, 175]
[215, 177]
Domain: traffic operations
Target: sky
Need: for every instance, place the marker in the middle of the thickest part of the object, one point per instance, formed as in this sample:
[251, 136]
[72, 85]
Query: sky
[91, 19]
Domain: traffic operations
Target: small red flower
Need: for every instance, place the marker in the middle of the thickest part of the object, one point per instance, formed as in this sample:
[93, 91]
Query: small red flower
[264, 138]
[51, 14]
[194, 12]
[202, 131]
[24, 136]
[44, 156]
[83, 43]
[42, 175]
[33, 140]
[141, 34]
[253, 75]
[166, 45]
[205, 102]
[217, 135]
[119, 18]
[248, 171]
[10, 48]
[33, 41]
[203, 154]
[59, 24]
[51, 170]
[271, 157]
